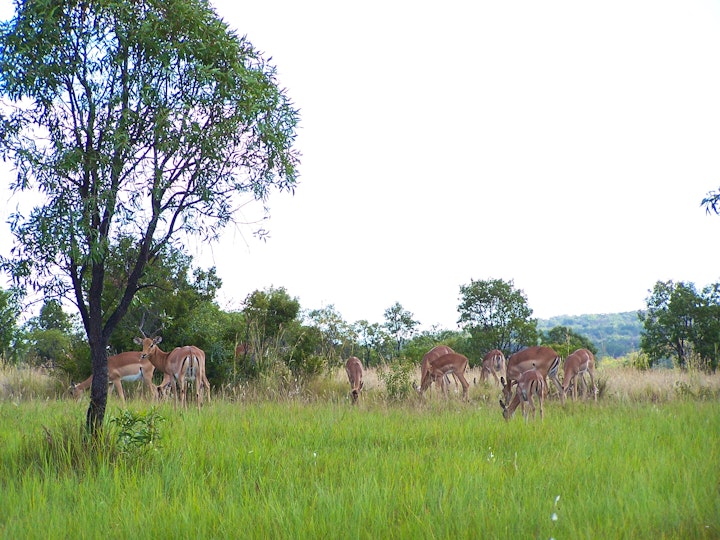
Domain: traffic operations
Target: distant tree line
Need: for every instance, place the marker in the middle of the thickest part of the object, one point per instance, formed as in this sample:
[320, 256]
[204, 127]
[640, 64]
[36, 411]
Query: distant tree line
[615, 334]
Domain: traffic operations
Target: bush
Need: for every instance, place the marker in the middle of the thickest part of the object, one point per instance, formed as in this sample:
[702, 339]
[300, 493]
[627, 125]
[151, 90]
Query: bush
[397, 380]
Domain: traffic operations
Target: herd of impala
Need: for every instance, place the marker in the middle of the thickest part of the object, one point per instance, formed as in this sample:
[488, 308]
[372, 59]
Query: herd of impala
[526, 370]
[179, 366]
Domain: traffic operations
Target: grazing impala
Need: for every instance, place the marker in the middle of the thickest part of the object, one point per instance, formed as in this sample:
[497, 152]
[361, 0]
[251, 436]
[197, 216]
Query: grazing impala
[493, 363]
[530, 382]
[577, 365]
[354, 370]
[546, 361]
[442, 366]
[432, 354]
[183, 364]
[127, 366]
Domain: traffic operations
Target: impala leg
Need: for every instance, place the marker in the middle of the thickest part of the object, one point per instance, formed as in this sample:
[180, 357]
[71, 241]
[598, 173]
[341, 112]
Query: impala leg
[118, 386]
[207, 387]
[465, 385]
[556, 381]
[594, 386]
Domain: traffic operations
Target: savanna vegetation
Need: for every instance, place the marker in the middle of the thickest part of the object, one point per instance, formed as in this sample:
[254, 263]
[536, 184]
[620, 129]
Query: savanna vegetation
[274, 457]
[138, 125]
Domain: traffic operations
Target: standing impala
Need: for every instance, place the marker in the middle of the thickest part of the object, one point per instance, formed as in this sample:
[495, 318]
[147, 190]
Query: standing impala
[544, 359]
[442, 366]
[577, 365]
[354, 370]
[183, 364]
[493, 363]
[530, 382]
[127, 366]
[432, 354]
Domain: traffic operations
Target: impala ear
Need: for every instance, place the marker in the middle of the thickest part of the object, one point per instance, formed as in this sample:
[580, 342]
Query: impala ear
[158, 339]
[138, 340]
[502, 380]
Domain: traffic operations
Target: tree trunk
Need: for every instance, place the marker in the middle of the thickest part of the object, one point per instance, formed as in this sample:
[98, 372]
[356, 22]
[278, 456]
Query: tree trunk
[99, 388]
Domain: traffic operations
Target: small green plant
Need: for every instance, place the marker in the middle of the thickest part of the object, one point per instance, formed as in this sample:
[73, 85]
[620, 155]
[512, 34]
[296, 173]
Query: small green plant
[397, 380]
[683, 390]
[137, 432]
[639, 361]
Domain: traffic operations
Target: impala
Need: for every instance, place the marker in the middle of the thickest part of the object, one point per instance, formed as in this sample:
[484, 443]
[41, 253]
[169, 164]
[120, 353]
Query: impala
[439, 368]
[354, 370]
[530, 382]
[182, 364]
[493, 363]
[432, 354]
[127, 366]
[544, 359]
[577, 365]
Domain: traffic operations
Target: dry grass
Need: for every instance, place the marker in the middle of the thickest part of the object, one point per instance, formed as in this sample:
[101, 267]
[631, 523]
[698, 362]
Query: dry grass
[616, 383]
[657, 385]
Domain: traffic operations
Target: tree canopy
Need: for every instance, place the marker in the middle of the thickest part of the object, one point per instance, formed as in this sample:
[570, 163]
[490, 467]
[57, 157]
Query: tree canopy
[497, 316]
[147, 119]
[680, 323]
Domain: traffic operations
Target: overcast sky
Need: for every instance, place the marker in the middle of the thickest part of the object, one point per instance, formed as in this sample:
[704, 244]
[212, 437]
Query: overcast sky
[563, 145]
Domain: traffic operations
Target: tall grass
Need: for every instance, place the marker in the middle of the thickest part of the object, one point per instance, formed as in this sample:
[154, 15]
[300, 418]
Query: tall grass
[418, 469]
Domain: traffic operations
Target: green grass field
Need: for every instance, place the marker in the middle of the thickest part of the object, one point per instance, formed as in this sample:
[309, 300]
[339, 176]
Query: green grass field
[300, 468]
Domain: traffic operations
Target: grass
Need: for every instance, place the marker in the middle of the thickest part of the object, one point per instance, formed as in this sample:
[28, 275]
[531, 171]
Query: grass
[307, 464]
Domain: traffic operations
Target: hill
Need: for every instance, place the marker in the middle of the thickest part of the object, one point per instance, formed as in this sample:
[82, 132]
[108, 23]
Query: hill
[614, 334]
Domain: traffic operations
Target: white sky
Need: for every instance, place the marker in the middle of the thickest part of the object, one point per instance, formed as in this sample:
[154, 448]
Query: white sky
[564, 145]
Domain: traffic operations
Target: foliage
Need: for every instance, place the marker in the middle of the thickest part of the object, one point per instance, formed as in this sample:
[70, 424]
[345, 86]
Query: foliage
[400, 324]
[711, 202]
[9, 312]
[337, 336]
[616, 334]
[497, 316]
[373, 341]
[65, 450]
[679, 321]
[141, 119]
[137, 432]
[396, 377]
[565, 341]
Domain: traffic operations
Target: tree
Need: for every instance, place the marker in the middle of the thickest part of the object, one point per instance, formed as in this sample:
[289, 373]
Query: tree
[497, 316]
[373, 339]
[170, 297]
[338, 336]
[711, 202]
[267, 315]
[149, 119]
[49, 335]
[680, 322]
[566, 341]
[9, 313]
[707, 336]
[51, 317]
[399, 324]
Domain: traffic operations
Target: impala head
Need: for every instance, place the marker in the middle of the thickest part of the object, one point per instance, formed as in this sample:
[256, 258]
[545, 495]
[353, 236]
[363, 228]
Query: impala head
[148, 345]
[355, 394]
[506, 412]
[506, 389]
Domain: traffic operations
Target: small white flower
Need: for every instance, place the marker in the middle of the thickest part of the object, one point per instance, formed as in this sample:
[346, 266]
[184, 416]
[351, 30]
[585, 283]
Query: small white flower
[557, 499]
[554, 517]
[314, 454]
